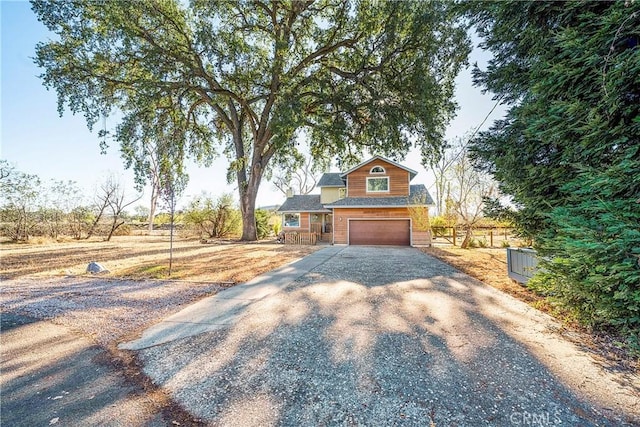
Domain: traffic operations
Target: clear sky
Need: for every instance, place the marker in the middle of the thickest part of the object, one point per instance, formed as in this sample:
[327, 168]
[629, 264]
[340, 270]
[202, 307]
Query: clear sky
[38, 141]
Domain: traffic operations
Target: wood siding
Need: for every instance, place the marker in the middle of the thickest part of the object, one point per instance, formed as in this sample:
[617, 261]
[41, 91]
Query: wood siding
[421, 238]
[398, 180]
[341, 233]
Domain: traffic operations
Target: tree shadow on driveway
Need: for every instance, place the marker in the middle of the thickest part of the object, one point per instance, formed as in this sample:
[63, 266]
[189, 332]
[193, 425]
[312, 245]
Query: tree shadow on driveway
[387, 336]
[52, 377]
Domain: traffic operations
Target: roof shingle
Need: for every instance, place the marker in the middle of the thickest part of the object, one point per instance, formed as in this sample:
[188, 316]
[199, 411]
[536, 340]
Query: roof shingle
[331, 179]
[418, 195]
[303, 203]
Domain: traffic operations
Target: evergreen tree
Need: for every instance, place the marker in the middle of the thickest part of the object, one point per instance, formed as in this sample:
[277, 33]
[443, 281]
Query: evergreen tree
[568, 151]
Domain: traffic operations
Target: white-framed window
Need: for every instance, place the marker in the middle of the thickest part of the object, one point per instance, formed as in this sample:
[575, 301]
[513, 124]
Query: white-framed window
[378, 185]
[377, 169]
[291, 220]
[342, 193]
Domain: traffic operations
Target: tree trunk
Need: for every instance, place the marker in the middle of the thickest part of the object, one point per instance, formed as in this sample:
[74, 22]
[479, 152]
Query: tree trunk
[467, 239]
[154, 203]
[114, 227]
[248, 210]
[173, 210]
[248, 197]
[92, 229]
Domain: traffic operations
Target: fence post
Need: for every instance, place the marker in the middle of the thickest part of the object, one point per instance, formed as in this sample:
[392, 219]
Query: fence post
[491, 238]
[454, 236]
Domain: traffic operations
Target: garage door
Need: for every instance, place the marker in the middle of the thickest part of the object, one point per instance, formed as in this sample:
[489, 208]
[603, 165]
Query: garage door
[379, 232]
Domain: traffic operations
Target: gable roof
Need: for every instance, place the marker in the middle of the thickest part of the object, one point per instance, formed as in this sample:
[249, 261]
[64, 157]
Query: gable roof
[412, 173]
[331, 179]
[303, 203]
[418, 196]
[419, 192]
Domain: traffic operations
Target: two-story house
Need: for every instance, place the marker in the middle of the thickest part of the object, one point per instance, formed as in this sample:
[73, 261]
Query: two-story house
[373, 203]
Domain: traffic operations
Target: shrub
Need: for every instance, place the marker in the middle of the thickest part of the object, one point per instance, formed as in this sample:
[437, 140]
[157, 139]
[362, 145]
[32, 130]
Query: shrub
[123, 230]
[592, 263]
[277, 227]
[262, 224]
[213, 218]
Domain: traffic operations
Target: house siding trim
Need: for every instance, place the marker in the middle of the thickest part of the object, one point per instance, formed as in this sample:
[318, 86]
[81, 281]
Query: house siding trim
[411, 172]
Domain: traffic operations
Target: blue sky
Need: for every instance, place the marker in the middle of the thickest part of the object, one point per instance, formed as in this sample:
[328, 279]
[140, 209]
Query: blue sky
[38, 141]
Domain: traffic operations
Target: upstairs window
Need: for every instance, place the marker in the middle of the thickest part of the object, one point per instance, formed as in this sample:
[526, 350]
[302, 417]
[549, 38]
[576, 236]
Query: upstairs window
[342, 193]
[378, 185]
[377, 170]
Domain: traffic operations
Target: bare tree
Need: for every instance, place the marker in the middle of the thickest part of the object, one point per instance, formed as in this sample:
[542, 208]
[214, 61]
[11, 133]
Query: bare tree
[469, 189]
[440, 163]
[117, 206]
[301, 177]
[110, 199]
[171, 184]
[145, 155]
[101, 202]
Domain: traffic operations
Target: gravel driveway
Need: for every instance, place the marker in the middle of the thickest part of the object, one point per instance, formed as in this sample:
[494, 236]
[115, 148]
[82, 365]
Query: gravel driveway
[54, 369]
[390, 336]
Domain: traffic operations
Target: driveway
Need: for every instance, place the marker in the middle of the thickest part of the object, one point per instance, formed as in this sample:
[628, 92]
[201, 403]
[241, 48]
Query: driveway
[378, 336]
[51, 375]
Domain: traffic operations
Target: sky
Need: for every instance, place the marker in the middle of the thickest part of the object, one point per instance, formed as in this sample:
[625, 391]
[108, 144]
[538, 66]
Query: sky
[36, 140]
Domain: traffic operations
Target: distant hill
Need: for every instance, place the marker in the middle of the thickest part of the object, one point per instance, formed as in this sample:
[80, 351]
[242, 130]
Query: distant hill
[270, 208]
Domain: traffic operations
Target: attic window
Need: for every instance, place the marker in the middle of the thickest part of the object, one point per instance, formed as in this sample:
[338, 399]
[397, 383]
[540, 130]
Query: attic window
[377, 169]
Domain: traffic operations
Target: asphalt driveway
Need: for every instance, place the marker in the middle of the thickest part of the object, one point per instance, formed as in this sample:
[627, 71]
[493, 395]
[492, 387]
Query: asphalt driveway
[378, 336]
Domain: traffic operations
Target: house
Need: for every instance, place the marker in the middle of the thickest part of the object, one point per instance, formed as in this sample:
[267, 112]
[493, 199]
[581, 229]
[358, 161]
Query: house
[373, 203]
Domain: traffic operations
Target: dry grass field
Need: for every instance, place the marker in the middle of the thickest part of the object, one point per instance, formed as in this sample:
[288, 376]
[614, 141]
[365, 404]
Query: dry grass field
[147, 257]
[227, 263]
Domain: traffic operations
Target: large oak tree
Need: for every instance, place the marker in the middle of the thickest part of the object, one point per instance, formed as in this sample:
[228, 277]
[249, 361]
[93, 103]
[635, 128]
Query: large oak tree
[244, 77]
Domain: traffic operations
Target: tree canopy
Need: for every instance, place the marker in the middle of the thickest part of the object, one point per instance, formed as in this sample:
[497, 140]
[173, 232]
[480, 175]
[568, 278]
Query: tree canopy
[244, 77]
[568, 151]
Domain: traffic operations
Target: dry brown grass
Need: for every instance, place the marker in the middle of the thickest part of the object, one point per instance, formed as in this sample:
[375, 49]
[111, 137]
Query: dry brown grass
[144, 257]
[489, 265]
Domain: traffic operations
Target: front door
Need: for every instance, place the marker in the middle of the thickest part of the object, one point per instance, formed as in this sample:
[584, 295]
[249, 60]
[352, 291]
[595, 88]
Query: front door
[327, 223]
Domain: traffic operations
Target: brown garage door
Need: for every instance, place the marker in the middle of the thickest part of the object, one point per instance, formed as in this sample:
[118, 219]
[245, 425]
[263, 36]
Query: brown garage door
[379, 232]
